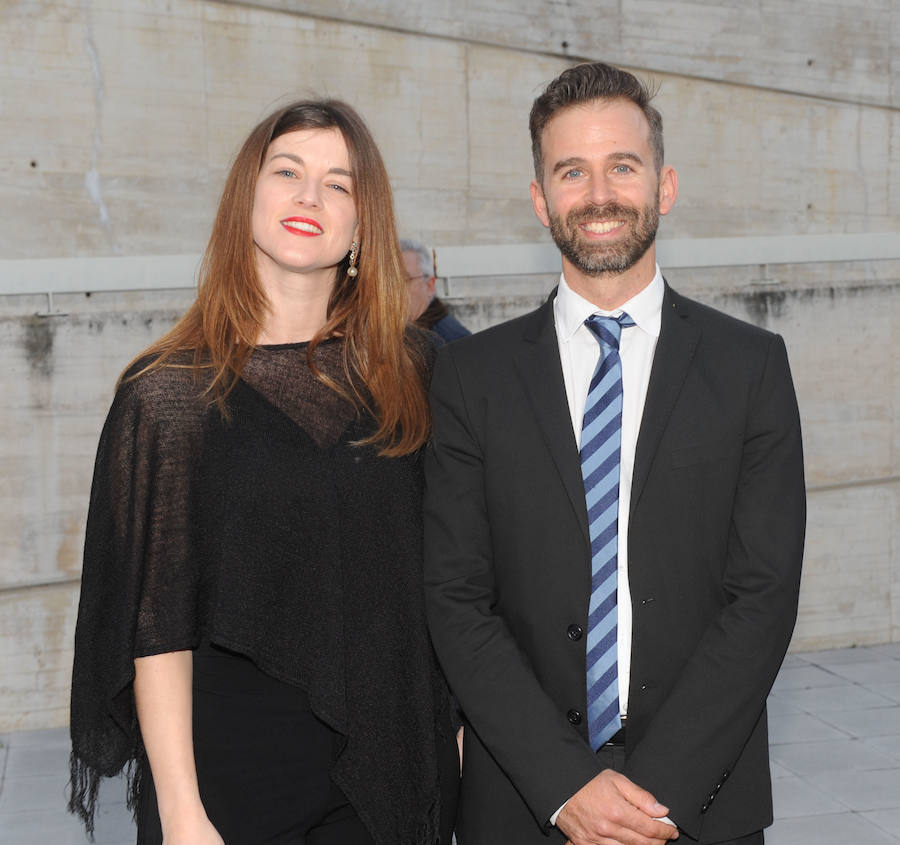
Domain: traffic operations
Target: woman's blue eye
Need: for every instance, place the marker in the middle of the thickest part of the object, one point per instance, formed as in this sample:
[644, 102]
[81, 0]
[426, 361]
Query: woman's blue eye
[338, 187]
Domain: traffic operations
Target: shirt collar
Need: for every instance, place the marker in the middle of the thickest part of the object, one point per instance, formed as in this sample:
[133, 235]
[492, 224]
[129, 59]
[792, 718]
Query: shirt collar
[645, 308]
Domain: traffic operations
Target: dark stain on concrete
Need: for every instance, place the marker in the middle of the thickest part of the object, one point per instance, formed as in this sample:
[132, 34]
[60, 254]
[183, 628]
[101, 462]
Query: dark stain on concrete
[764, 305]
[38, 344]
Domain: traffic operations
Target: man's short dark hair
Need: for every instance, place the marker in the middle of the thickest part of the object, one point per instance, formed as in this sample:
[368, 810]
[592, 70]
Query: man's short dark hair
[583, 84]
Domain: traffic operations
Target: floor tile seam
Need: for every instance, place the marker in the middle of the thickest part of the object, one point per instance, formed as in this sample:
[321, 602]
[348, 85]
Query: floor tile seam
[860, 660]
[856, 655]
[843, 802]
[893, 701]
[890, 833]
[824, 794]
[890, 836]
[838, 682]
[831, 671]
[793, 773]
[795, 658]
[805, 775]
[885, 738]
[889, 704]
[10, 812]
[783, 697]
[823, 717]
[871, 648]
[868, 686]
[862, 814]
[817, 739]
[893, 769]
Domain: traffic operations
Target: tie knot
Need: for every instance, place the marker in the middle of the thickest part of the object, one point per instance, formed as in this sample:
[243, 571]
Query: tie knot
[608, 330]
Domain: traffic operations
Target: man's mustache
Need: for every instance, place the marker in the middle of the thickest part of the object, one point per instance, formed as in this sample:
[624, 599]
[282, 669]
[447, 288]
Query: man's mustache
[601, 213]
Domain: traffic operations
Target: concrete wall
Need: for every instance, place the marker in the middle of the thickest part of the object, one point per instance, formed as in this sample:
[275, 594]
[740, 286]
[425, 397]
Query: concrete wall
[120, 119]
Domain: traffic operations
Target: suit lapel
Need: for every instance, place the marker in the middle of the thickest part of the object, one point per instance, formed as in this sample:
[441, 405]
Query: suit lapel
[541, 374]
[678, 338]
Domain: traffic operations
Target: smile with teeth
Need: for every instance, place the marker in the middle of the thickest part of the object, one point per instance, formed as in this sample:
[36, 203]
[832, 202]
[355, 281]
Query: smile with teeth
[302, 225]
[601, 227]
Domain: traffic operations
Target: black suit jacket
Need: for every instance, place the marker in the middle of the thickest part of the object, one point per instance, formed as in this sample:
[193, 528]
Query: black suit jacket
[714, 548]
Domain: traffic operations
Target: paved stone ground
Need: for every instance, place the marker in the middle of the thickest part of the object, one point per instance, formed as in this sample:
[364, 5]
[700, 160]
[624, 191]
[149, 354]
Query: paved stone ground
[834, 720]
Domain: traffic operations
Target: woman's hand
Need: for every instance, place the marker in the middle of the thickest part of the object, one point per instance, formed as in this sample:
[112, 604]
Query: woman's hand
[194, 830]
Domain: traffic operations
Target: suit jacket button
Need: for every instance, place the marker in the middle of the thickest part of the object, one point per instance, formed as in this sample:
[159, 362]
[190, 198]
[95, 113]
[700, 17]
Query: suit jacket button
[574, 632]
[574, 717]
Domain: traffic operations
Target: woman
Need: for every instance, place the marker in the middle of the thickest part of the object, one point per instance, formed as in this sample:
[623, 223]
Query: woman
[251, 638]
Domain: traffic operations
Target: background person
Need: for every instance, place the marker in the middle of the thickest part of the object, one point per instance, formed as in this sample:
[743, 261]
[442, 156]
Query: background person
[614, 520]
[251, 634]
[426, 309]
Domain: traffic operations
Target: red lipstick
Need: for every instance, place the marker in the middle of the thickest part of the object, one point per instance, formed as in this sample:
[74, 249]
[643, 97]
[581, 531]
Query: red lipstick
[302, 226]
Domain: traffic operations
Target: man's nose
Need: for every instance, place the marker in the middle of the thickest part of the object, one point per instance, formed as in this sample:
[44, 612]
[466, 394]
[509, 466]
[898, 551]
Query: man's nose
[600, 190]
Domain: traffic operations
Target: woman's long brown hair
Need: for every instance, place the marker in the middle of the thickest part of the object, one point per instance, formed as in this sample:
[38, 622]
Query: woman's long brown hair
[383, 363]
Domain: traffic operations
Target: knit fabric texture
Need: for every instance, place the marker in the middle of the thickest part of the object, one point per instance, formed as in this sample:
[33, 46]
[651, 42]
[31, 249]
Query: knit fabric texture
[268, 532]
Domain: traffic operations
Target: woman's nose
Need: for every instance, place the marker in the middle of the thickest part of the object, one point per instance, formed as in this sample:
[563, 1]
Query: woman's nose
[308, 193]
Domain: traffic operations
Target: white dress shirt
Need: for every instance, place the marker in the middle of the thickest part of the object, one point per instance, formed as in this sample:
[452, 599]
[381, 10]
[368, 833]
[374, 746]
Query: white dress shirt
[579, 352]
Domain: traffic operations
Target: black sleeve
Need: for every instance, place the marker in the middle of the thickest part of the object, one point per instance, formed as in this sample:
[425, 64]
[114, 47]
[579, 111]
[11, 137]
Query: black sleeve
[140, 576]
[724, 684]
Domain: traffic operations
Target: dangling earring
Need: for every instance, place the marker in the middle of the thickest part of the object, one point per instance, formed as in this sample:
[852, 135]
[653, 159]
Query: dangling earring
[354, 252]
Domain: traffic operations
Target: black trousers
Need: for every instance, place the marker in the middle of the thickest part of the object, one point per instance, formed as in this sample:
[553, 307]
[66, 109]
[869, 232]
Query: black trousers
[613, 757]
[263, 762]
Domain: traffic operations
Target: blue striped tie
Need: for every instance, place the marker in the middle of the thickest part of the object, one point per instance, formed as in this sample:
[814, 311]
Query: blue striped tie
[601, 441]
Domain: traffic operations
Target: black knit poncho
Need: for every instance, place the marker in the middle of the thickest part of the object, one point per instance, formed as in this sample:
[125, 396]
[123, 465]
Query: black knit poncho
[271, 535]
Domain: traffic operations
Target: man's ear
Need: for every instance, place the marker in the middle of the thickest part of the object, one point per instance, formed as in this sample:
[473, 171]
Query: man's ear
[539, 202]
[668, 189]
[430, 283]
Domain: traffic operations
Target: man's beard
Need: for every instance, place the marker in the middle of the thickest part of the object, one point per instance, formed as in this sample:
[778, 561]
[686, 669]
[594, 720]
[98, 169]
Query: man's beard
[598, 259]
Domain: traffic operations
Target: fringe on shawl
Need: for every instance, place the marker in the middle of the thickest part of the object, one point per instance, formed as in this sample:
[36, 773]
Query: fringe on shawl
[84, 789]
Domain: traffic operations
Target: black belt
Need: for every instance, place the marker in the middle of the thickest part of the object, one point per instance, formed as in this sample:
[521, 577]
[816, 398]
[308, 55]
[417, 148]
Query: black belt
[618, 738]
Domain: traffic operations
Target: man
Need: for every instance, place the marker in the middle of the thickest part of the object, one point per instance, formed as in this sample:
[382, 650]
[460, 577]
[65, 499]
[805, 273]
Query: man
[425, 308]
[615, 515]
